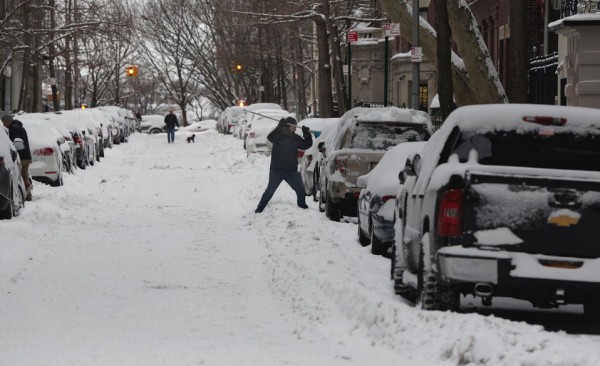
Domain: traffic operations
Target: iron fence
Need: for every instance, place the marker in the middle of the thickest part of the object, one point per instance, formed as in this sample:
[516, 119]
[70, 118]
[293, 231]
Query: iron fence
[543, 81]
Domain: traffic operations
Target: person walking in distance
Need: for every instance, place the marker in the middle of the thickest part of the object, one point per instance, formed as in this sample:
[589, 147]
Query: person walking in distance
[284, 161]
[171, 121]
[16, 131]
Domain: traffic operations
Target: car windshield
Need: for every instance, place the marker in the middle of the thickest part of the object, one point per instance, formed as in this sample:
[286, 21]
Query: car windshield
[540, 149]
[374, 136]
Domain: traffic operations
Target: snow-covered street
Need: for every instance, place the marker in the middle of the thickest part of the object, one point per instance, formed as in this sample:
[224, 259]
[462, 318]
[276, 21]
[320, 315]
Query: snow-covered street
[155, 257]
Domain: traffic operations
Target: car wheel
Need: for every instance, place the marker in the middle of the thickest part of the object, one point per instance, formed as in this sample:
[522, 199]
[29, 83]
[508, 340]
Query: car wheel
[431, 294]
[332, 211]
[155, 131]
[397, 272]
[321, 203]
[58, 182]
[377, 247]
[362, 238]
[7, 213]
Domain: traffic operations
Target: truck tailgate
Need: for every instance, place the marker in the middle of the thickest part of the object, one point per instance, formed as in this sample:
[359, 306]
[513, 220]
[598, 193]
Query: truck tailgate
[533, 214]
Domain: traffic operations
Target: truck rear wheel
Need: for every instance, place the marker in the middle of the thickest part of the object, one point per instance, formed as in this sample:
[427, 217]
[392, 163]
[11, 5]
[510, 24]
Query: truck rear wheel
[331, 210]
[431, 294]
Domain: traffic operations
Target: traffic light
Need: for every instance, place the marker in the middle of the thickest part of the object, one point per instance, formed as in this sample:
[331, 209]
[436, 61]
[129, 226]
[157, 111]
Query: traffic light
[132, 71]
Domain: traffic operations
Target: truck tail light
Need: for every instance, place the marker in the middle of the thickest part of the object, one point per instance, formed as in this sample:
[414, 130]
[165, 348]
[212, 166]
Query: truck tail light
[340, 163]
[384, 199]
[44, 151]
[300, 154]
[450, 213]
[546, 120]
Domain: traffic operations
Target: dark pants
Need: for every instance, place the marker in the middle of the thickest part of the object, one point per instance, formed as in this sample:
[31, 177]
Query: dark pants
[275, 178]
[170, 134]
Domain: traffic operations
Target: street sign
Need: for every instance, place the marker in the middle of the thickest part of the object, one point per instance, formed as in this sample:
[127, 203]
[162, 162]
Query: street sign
[391, 29]
[352, 36]
[416, 54]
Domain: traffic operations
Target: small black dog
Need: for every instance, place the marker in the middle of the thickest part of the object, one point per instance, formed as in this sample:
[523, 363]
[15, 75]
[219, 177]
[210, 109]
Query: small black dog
[191, 138]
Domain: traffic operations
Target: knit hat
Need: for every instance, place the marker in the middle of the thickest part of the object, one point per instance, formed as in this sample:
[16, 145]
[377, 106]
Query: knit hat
[6, 118]
[291, 121]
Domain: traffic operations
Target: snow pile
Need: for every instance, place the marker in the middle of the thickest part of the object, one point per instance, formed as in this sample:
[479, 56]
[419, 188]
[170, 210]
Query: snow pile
[155, 257]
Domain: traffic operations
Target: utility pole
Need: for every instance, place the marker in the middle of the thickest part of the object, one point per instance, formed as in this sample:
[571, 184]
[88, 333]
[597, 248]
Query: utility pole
[386, 71]
[416, 70]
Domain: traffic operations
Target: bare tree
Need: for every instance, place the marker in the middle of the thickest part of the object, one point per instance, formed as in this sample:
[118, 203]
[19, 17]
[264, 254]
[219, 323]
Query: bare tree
[474, 77]
[166, 30]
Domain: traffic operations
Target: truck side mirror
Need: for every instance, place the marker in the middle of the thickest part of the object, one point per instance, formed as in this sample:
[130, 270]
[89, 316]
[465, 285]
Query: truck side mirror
[402, 177]
[361, 182]
[321, 147]
[412, 166]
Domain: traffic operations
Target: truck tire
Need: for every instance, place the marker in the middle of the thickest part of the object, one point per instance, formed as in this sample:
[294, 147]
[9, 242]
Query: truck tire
[331, 210]
[362, 238]
[397, 273]
[321, 202]
[431, 294]
[377, 247]
[8, 213]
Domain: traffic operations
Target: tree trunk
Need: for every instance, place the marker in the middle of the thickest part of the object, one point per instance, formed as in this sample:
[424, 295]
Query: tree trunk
[466, 90]
[517, 88]
[336, 58]
[324, 73]
[52, 55]
[299, 75]
[480, 68]
[444, 64]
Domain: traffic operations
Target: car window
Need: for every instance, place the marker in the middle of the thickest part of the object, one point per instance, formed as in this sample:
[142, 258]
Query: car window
[383, 137]
[539, 149]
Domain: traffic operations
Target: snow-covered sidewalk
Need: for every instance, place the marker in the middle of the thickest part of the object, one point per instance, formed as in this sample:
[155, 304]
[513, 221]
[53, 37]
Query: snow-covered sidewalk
[155, 257]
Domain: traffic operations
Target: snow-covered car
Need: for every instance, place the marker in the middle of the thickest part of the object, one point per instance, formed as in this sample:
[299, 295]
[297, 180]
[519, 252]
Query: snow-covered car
[122, 122]
[249, 113]
[228, 120]
[87, 136]
[376, 200]
[12, 188]
[153, 124]
[46, 154]
[308, 159]
[64, 136]
[505, 203]
[262, 123]
[200, 126]
[362, 137]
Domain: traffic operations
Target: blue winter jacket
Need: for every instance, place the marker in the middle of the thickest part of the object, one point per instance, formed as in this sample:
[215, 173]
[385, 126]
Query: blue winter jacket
[285, 148]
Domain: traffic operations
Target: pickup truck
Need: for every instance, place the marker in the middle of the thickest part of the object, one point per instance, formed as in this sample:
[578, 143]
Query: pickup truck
[505, 202]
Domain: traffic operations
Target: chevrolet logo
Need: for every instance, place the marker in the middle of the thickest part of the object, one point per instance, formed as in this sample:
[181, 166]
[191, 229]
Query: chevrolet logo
[563, 220]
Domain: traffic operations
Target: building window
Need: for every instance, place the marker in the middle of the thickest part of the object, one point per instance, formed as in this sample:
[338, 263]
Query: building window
[424, 97]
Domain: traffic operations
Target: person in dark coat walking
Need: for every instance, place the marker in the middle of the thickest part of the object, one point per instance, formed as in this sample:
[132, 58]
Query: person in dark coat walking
[171, 121]
[284, 161]
[16, 131]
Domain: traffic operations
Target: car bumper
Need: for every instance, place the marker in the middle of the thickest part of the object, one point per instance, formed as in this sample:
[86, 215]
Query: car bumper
[43, 171]
[521, 275]
[383, 229]
[340, 192]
